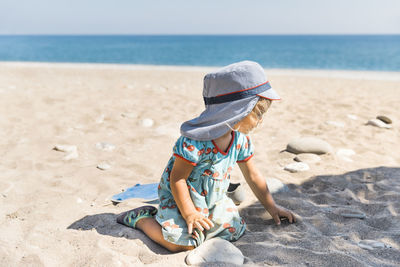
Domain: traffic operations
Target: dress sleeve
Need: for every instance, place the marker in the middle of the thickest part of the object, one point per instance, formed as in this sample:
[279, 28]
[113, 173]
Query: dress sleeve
[187, 149]
[245, 148]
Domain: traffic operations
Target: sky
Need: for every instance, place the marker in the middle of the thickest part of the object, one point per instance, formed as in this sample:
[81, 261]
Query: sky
[200, 17]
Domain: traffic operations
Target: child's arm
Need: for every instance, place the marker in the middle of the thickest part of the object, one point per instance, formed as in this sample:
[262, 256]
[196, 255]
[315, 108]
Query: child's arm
[260, 189]
[194, 219]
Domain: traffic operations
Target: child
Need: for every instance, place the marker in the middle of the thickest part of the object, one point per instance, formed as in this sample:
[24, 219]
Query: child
[194, 206]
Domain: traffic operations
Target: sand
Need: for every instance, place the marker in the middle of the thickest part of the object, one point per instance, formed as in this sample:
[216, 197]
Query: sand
[57, 212]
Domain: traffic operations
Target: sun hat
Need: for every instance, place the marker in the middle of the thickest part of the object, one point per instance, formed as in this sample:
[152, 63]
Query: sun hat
[230, 94]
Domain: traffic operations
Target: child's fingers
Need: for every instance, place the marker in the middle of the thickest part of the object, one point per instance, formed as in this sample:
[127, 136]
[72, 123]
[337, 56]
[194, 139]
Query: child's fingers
[190, 228]
[205, 224]
[277, 219]
[198, 226]
[210, 223]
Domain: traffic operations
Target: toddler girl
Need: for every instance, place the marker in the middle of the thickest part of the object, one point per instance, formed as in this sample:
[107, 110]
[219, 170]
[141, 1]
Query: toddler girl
[194, 206]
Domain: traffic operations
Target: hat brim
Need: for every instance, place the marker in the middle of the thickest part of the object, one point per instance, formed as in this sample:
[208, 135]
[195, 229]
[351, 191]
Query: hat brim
[218, 119]
[270, 94]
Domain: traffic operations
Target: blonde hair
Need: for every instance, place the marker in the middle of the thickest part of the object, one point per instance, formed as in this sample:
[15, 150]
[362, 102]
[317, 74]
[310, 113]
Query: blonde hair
[258, 111]
[261, 107]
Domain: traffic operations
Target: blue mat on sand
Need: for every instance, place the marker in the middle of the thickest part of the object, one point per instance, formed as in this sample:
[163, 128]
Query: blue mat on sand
[144, 191]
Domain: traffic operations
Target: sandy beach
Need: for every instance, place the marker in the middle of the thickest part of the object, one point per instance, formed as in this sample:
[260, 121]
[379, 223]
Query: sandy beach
[57, 211]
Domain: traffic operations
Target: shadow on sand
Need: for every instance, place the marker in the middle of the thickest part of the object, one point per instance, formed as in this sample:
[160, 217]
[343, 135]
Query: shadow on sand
[322, 236]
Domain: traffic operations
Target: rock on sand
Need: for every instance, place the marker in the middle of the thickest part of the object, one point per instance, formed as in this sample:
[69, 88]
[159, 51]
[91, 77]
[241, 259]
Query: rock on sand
[297, 167]
[215, 250]
[309, 145]
[378, 123]
[384, 119]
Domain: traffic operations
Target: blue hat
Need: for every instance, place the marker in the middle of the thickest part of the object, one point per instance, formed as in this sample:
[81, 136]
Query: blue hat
[230, 94]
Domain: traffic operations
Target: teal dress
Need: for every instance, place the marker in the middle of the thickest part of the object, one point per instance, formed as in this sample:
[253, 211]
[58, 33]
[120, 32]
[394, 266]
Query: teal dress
[207, 184]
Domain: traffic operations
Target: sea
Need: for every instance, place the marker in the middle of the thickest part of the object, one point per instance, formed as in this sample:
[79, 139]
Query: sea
[336, 52]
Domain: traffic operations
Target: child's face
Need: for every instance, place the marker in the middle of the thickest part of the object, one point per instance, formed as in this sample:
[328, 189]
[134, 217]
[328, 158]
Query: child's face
[249, 123]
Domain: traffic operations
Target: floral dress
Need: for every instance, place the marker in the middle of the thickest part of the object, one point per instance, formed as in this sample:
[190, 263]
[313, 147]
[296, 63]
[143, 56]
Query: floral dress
[207, 184]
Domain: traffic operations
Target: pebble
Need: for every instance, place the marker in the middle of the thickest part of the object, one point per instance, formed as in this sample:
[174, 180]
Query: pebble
[296, 167]
[105, 146]
[378, 123]
[372, 244]
[103, 166]
[352, 117]
[276, 186]
[72, 151]
[353, 215]
[147, 122]
[79, 200]
[309, 145]
[385, 119]
[65, 148]
[307, 158]
[215, 250]
[335, 123]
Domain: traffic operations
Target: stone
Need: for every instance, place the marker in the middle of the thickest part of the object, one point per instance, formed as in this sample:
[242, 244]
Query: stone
[71, 151]
[378, 123]
[213, 251]
[147, 123]
[65, 148]
[335, 123]
[296, 167]
[307, 158]
[276, 186]
[105, 146]
[385, 119]
[352, 117]
[372, 244]
[103, 166]
[309, 145]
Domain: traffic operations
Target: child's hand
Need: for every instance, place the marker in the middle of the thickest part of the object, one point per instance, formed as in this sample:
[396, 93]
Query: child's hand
[278, 212]
[197, 220]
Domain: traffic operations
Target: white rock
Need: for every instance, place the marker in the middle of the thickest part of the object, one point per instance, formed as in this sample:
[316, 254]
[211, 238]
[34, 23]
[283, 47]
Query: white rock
[105, 146]
[352, 117]
[215, 250]
[335, 123]
[65, 148]
[103, 166]
[79, 200]
[378, 123]
[100, 119]
[147, 122]
[309, 145]
[297, 167]
[276, 186]
[372, 244]
[307, 158]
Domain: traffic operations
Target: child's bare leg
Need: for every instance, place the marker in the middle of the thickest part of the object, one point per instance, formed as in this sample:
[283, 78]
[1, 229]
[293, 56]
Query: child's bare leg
[153, 230]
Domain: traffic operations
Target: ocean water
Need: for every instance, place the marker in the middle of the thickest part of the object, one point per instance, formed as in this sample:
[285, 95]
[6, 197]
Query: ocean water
[344, 52]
